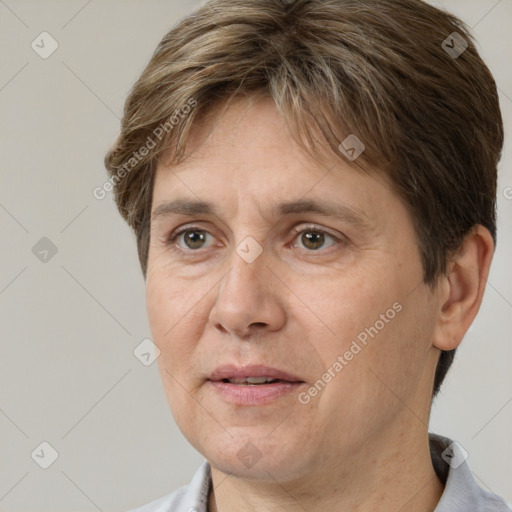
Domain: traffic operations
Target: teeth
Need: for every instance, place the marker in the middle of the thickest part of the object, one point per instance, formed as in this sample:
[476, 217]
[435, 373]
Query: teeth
[251, 380]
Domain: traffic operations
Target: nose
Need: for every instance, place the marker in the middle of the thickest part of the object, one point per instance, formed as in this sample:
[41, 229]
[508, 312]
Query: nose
[248, 300]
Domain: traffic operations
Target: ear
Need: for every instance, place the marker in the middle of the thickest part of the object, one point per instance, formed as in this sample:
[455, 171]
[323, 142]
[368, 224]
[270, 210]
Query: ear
[461, 290]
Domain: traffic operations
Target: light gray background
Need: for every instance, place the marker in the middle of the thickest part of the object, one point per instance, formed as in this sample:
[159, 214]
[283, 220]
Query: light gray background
[70, 325]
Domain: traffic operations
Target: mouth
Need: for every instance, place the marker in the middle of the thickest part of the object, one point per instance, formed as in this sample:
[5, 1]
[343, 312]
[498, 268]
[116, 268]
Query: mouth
[252, 381]
[253, 385]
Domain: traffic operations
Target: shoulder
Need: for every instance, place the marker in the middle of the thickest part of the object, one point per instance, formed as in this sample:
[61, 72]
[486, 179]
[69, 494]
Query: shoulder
[189, 498]
[167, 503]
[461, 492]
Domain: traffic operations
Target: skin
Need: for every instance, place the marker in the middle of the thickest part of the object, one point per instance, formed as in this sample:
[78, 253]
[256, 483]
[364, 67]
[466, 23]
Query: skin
[361, 443]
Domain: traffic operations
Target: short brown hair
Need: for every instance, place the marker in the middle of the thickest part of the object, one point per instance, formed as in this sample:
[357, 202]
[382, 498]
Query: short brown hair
[392, 72]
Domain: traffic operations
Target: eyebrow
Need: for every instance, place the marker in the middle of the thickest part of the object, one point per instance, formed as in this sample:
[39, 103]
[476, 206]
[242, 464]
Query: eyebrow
[339, 211]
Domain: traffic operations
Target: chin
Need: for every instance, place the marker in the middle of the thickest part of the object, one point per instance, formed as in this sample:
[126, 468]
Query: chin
[255, 456]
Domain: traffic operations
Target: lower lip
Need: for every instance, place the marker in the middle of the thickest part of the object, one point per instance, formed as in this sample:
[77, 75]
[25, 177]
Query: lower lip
[244, 394]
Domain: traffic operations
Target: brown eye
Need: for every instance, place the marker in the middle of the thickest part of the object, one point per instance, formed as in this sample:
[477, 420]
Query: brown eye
[314, 239]
[193, 238]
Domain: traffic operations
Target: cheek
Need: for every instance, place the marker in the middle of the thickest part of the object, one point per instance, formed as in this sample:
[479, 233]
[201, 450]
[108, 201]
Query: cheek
[161, 305]
[175, 328]
[172, 319]
[341, 306]
[376, 378]
[395, 357]
[370, 318]
[170, 301]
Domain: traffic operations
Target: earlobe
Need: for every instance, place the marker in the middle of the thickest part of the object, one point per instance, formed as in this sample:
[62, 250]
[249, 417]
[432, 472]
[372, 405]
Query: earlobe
[461, 290]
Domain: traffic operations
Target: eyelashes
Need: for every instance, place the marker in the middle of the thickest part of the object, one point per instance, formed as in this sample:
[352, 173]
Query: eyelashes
[324, 236]
[173, 237]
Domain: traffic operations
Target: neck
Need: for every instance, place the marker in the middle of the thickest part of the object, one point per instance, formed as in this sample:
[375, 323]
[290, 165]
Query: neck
[399, 476]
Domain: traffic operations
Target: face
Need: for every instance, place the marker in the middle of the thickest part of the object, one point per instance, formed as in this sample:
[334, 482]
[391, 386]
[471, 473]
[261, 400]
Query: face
[306, 274]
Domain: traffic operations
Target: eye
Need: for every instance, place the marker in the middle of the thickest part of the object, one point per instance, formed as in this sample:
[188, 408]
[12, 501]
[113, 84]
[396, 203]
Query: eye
[194, 237]
[313, 238]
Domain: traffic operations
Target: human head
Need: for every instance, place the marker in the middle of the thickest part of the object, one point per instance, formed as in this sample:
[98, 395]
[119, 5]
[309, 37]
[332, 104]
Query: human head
[430, 121]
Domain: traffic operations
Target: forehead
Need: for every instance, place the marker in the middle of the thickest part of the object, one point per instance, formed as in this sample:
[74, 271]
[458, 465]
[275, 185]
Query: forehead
[245, 151]
[245, 132]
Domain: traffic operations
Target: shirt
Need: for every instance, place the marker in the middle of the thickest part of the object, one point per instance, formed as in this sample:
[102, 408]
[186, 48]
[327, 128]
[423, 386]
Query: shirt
[461, 492]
